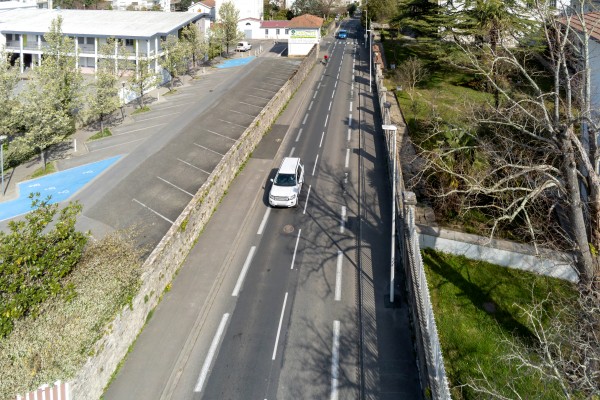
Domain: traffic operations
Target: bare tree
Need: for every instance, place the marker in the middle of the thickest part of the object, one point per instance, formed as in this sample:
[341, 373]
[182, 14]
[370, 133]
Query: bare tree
[529, 159]
[410, 73]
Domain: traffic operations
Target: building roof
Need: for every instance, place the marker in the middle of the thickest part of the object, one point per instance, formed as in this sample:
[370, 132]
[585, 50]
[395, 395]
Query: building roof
[306, 21]
[277, 23]
[98, 23]
[209, 3]
[591, 21]
[10, 5]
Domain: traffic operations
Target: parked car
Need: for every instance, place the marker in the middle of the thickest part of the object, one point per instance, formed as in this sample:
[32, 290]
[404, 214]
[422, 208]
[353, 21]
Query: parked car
[287, 183]
[243, 46]
[342, 34]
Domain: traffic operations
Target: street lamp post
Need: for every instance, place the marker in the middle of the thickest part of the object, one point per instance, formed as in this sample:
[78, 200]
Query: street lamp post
[392, 129]
[2, 139]
[122, 100]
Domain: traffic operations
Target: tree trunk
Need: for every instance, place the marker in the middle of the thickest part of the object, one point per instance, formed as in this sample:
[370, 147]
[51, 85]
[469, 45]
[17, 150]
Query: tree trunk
[584, 262]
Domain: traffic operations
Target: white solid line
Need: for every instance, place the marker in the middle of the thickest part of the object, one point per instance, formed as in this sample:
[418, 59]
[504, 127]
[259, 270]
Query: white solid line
[243, 113]
[326, 119]
[299, 133]
[347, 158]
[279, 327]
[310, 106]
[261, 228]
[315, 167]
[238, 285]
[211, 353]
[322, 136]
[159, 116]
[343, 219]
[338, 278]
[349, 133]
[193, 166]
[218, 134]
[253, 105]
[296, 248]
[305, 117]
[233, 123]
[158, 214]
[141, 129]
[331, 102]
[117, 145]
[207, 149]
[292, 151]
[306, 202]
[335, 359]
[175, 186]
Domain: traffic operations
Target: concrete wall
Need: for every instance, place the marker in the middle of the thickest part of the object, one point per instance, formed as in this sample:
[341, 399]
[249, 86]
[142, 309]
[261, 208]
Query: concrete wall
[161, 265]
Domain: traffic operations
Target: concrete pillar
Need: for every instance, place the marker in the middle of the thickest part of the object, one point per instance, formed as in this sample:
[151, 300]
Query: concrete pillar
[21, 57]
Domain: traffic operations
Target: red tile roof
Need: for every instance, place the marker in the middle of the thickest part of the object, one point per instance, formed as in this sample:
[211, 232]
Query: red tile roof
[591, 21]
[277, 23]
[208, 3]
[306, 21]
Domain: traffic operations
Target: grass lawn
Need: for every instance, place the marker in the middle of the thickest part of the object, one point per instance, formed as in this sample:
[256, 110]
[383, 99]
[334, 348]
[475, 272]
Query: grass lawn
[462, 293]
[50, 169]
[141, 110]
[101, 134]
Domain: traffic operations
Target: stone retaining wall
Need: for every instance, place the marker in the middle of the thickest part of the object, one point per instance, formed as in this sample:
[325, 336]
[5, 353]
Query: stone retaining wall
[163, 262]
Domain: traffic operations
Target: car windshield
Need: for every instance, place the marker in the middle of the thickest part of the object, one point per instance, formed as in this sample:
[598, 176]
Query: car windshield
[285, 180]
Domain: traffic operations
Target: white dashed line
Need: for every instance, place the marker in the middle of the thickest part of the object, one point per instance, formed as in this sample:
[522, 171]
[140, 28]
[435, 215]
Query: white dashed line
[338, 277]
[211, 353]
[343, 219]
[299, 133]
[261, 228]
[315, 166]
[335, 359]
[322, 136]
[296, 248]
[306, 202]
[279, 327]
[240, 281]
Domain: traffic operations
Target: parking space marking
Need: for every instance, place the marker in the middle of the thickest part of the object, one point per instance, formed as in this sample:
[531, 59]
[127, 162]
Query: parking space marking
[117, 145]
[243, 113]
[259, 97]
[252, 105]
[193, 166]
[265, 90]
[207, 149]
[141, 129]
[218, 134]
[175, 186]
[155, 212]
[233, 123]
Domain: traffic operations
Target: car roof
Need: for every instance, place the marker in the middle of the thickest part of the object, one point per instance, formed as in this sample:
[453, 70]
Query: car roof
[288, 165]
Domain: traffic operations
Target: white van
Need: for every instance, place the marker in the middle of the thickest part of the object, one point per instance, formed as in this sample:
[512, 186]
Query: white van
[243, 46]
[287, 183]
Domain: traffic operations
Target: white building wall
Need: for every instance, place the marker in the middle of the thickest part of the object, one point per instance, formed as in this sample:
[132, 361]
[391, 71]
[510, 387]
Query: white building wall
[595, 73]
[247, 8]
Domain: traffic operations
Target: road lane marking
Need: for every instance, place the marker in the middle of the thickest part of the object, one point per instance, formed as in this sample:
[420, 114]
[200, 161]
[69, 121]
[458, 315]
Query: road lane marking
[299, 133]
[117, 145]
[315, 95]
[330, 103]
[279, 327]
[159, 116]
[310, 106]
[211, 353]
[193, 166]
[338, 277]
[207, 149]
[322, 136]
[350, 119]
[315, 166]
[347, 158]
[332, 94]
[175, 186]
[349, 134]
[305, 117]
[350, 107]
[292, 151]
[243, 272]
[306, 202]
[141, 129]
[335, 360]
[296, 248]
[343, 219]
[336, 82]
[155, 212]
[326, 119]
[319, 85]
[261, 228]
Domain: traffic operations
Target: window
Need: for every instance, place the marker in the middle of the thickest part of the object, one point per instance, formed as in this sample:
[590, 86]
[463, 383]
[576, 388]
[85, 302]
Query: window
[12, 36]
[277, 31]
[266, 32]
[90, 40]
[81, 40]
[128, 42]
[248, 24]
[287, 31]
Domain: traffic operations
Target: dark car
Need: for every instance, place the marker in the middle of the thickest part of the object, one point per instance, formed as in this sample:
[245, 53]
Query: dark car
[342, 34]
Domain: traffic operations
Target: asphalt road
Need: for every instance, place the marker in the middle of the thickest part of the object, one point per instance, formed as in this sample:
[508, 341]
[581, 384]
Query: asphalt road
[289, 303]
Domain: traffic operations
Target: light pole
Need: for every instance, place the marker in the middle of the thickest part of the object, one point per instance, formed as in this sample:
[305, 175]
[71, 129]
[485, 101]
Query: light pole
[368, 42]
[122, 100]
[392, 129]
[2, 139]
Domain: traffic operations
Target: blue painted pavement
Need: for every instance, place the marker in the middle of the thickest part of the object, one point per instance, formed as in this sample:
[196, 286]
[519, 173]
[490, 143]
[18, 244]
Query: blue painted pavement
[60, 185]
[236, 62]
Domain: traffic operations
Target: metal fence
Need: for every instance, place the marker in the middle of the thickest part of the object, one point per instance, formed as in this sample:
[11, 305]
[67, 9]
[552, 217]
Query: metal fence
[429, 353]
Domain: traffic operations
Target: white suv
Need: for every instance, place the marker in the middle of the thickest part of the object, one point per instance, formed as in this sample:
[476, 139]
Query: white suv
[287, 183]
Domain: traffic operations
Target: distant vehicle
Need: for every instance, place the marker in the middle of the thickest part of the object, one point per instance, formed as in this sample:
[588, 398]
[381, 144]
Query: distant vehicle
[243, 46]
[342, 34]
[287, 183]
